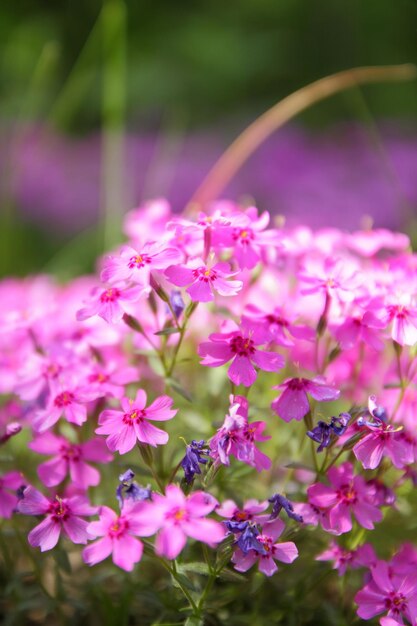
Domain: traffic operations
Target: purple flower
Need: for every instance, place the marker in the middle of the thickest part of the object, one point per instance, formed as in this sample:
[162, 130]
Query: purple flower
[293, 403]
[280, 502]
[286, 552]
[322, 432]
[193, 458]
[177, 302]
[128, 489]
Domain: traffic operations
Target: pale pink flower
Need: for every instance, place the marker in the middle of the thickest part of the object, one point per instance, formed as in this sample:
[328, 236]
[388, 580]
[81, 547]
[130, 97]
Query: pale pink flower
[132, 265]
[9, 484]
[64, 400]
[112, 302]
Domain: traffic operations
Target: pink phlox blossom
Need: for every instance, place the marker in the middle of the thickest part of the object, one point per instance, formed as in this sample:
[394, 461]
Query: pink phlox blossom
[133, 265]
[368, 243]
[396, 596]
[9, 484]
[35, 377]
[250, 512]
[124, 428]
[70, 458]
[344, 559]
[293, 402]
[240, 346]
[147, 221]
[204, 280]
[383, 440]
[346, 494]
[364, 326]
[248, 237]
[279, 325]
[286, 552]
[118, 534]
[237, 437]
[333, 277]
[110, 378]
[311, 514]
[61, 514]
[112, 302]
[175, 517]
[67, 400]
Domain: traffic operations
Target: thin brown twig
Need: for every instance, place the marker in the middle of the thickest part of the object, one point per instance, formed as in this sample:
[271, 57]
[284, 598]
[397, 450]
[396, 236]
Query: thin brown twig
[253, 136]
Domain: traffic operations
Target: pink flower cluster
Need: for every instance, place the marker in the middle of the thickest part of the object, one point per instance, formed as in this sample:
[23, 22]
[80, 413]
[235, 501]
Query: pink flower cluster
[327, 319]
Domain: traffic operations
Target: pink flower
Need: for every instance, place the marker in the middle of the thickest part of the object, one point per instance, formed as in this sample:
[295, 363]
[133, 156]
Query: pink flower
[110, 303]
[240, 347]
[237, 437]
[285, 552]
[293, 403]
[178, 517]
[117, 532]
[347, 494]
[249, 238]
[250, 512]
[279, 326]
[9, 483]
[383, 440]
[333, 277]
[132, 265]
[62, 514]
[204, 280]
[397, 595]
[404, 323]
[68, 401]
[364, 327]
[109, 379]
[69, 458]
[132, 424]
[364, 556]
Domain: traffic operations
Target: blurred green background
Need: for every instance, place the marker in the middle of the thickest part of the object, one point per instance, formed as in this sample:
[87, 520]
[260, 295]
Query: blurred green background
[122, 67]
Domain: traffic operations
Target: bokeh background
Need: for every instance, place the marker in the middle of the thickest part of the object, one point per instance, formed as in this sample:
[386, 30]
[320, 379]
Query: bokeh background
[105, 104]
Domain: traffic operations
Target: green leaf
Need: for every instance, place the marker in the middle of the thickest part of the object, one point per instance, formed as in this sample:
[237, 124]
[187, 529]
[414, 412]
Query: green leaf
[232, 576]
[197, 568]
[169, 330]
[302, 466]
[193, 621]
[180, 581]
[62, 560]
[175, 385]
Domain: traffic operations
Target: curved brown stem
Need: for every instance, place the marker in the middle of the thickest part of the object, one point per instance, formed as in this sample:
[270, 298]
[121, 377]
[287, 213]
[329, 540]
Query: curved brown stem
[252, 137]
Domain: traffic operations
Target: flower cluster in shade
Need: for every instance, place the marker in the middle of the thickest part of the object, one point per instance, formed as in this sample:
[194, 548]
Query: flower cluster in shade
[255, 334]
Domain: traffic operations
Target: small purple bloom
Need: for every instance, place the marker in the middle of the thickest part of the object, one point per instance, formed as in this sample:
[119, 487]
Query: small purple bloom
[177, 302]
[322, 432]
[280, 502]
[193, 458]
[128, 489]
[248, 540]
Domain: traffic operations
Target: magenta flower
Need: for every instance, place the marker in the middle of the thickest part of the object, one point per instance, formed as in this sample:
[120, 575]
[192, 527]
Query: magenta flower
[237, 437]
[347, 494]
[70, 458]
[383, 440]
[364, 327]
[249, 238]
[395, 595]
[293, 403]
[9, 483]
[240, 347]
[117, 537]
[109, 379]
[286, 552]
[62, 514]
[132, 424]
[110, 303]
[69, 401]
[344, 559]
[132, 265]
[250, 512]
[177, 517]
[204, 280]
[278, 325]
